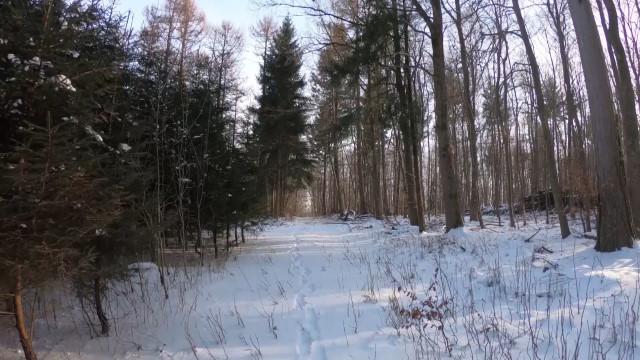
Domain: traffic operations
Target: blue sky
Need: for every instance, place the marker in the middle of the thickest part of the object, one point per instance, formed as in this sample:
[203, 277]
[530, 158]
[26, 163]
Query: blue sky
[242, 14]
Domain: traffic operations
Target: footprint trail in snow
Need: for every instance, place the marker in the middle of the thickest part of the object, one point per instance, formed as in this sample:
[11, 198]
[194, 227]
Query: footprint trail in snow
[307, 346]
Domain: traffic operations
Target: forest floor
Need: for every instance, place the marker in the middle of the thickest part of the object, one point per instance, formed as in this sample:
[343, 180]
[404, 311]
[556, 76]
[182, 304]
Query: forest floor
[322, 289]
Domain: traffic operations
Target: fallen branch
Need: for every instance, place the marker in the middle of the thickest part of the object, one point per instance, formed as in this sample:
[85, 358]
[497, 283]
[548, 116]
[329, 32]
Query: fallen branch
[532, 236]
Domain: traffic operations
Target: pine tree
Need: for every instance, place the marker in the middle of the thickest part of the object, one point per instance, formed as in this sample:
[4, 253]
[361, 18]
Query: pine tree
[281, 123]
[59, 192]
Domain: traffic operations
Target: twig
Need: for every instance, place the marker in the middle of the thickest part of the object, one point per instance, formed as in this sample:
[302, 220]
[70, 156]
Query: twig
[532, 236]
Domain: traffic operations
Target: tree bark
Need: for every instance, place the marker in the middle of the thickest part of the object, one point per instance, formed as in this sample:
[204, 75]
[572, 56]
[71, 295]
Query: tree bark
[97, 298]
[577, 157]
[413, 120]
[214, 230]
[242, 231]
[405, 126]
[503, 118]
[469, 116]
[372, 122]
[338, 206]
[324, 181]
[25, 337]
[626, 99]
[614, 230]
[449, 183]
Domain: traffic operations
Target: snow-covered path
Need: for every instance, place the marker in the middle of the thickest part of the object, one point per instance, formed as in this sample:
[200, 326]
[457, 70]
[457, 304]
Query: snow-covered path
[304, 294]
[323, 308]
[307, 289]
[324, 289]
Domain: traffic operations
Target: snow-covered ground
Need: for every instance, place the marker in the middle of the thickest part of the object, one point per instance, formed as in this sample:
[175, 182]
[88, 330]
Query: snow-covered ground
[327, 289]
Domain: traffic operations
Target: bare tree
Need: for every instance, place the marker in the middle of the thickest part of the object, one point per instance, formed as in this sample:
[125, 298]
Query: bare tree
[405, 122]
[544, 121]
[449, 182]
[469, 116]
[576, 157]
[614, 230]
[263, 32]
[627, 103]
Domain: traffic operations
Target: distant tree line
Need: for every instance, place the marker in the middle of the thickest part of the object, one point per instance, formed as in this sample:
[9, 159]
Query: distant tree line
[469, 107]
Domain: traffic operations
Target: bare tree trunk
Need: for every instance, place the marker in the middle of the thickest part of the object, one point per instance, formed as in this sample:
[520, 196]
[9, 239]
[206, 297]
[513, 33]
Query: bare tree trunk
[614, 230]
[227, 244]
[577, 156]
[626, 99]
[469, 116]
[215, 237]
[324, 182]
[372, 122]
[413, 120]
[405, 125]
[503, 117]
[631, 39]
[339, 205]
[362, 205]
[521, 176]
[339, 202]
[449, 183]
[397, 172]
[544, 121]
[495, 160]
[386, 208]
[97, 298]
[21, 326]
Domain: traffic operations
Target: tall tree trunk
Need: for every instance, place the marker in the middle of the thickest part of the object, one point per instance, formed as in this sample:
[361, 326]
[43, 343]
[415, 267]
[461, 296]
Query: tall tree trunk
[227, 244]
[372, 121]
[626, 100]
[497, 180]
[405, 124]
[577, 156]
[214, 230]
[397, 171]
[502, 114]
[362, 203]
[507, 136]
[383, 161]
[97, 299]
[449, 183]
[469, 116]
[324, 181]
[339, 203]
[544, 121]
[21, 326]
[521, 173]
[614, 230]
[413, 120]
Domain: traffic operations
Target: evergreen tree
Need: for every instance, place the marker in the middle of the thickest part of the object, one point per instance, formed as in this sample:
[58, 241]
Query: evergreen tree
[284, 156]
[59, 191]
